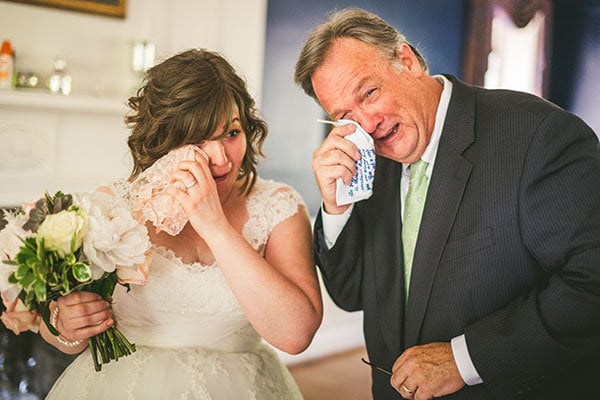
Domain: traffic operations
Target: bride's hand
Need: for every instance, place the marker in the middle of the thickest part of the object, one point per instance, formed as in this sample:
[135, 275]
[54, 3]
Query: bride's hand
[82, 315]
[199, 196]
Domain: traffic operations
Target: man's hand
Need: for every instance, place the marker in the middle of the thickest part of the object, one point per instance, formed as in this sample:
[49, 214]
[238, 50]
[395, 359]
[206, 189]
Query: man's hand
[426, 371]
[335, 158]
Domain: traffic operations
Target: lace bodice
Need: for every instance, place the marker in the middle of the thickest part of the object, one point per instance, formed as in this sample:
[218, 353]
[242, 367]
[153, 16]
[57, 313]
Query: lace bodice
[191, 304]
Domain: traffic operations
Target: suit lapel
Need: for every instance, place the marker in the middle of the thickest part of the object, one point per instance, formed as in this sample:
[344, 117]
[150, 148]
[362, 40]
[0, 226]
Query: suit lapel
[450, 176]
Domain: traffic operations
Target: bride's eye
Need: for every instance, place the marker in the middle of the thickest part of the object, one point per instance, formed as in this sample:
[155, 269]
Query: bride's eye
[233, 133]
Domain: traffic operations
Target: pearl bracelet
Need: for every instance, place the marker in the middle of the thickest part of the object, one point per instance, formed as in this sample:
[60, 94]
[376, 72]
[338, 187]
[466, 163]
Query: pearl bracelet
[60, 338]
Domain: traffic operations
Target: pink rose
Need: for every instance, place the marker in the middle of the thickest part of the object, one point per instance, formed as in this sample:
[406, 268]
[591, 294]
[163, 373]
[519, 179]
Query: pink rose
[136, 275]
[18, 318]
[27, 207]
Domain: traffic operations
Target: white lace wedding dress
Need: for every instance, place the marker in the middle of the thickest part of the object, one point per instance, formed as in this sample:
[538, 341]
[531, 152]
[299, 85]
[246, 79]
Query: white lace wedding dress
[193, 340]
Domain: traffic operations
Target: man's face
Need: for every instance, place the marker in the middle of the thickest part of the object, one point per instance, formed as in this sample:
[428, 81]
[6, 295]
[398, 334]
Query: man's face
[388, 98]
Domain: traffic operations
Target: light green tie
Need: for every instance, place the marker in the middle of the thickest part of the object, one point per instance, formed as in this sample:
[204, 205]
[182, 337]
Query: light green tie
[413, 210]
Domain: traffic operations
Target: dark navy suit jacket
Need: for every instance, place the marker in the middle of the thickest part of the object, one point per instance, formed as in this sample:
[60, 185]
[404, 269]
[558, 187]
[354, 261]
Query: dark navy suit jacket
[508, 251]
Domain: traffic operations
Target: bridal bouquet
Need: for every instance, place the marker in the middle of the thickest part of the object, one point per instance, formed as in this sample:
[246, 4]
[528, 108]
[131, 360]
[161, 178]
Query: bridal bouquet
[65, 243]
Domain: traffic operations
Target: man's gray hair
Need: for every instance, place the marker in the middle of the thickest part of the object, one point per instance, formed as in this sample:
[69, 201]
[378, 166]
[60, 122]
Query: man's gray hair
[352, 23]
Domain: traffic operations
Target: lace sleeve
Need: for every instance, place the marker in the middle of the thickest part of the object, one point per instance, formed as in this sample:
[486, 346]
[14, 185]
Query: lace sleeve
[271, 204]
[283, 202]
[122, 189]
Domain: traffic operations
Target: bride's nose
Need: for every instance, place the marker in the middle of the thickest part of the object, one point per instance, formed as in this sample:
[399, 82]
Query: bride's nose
[215, 151]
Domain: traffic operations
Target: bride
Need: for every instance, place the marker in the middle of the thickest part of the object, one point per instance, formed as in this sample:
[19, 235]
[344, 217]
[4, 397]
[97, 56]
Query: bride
[231, 253]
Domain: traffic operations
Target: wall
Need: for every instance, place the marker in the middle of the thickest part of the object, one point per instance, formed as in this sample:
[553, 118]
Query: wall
[98, 48]
[585, 100]
[575, 58]
[50, 143]
[78, 142]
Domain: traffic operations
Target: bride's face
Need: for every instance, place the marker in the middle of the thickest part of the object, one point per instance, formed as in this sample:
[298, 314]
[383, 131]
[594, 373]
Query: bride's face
[225, 155]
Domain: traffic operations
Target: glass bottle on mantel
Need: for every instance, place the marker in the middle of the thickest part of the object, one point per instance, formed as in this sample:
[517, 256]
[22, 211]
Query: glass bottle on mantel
[60, 82]
[6, 66]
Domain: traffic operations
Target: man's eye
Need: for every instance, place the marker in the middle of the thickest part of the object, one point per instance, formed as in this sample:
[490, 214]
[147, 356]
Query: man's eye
[370, 92]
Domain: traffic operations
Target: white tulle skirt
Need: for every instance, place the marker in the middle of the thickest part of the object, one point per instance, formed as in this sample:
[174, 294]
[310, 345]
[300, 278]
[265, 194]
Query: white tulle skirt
[182, 373]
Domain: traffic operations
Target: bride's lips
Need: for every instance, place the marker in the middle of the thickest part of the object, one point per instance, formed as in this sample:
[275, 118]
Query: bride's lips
[220, 178]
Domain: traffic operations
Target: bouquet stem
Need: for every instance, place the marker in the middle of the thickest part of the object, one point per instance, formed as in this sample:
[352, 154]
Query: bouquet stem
[109, 345]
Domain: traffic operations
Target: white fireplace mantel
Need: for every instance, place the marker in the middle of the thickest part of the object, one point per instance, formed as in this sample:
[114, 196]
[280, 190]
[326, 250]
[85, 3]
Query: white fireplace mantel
[53, 142]
[43, 100]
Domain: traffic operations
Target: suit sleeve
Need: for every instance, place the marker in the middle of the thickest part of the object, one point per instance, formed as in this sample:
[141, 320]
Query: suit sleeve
[342, 265]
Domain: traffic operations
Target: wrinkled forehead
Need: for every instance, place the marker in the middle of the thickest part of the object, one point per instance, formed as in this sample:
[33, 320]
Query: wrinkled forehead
[348, 64]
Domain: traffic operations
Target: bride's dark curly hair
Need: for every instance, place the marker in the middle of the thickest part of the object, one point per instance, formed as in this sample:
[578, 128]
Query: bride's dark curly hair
[183, 100]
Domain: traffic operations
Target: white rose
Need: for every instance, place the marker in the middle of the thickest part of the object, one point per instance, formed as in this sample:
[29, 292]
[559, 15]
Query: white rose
[11, 235]
[58, 230]
[10, 244]
[114, 239]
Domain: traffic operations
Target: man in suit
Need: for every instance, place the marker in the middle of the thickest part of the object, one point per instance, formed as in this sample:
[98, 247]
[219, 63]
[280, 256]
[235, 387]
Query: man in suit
[503, 297]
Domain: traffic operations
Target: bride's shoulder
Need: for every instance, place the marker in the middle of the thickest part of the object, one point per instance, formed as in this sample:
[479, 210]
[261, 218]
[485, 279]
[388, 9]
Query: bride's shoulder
[275, 201]
[268, 189]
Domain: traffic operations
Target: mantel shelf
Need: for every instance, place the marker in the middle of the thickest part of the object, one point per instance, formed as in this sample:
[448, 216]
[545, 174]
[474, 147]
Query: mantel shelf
[40, 100]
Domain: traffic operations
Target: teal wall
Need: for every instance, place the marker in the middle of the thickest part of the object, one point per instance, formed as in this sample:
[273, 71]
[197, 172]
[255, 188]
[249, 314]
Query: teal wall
[575, 59]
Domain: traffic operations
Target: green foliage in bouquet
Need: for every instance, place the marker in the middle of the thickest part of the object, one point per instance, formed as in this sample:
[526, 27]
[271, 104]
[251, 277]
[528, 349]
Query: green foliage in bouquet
[52, 263]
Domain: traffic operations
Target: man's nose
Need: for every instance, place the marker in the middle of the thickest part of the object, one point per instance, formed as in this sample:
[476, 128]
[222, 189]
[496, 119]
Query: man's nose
[368, 121]
[215, 151]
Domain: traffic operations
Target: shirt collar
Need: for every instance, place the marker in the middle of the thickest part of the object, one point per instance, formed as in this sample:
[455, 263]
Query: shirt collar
[440, 117]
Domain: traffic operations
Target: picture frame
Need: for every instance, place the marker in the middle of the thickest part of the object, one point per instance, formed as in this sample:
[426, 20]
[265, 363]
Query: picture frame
[109, 8]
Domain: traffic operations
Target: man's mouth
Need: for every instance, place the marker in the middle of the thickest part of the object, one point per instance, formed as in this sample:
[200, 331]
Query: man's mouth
[389, 134]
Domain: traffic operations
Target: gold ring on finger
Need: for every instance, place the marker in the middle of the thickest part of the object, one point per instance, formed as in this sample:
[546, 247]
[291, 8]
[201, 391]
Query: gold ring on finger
[406, 389]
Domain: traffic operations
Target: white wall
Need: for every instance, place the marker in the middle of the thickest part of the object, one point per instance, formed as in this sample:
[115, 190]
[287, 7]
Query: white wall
[46, 141]
[98, 48]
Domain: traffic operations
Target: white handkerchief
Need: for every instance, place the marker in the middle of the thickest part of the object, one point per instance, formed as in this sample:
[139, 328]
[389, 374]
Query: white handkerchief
[361, 186]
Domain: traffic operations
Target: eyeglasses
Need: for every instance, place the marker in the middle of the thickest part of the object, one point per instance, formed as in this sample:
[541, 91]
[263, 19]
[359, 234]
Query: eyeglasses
[376, 367]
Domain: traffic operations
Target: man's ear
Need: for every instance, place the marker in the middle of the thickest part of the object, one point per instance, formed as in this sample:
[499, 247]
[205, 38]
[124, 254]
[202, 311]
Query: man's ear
[409, 61]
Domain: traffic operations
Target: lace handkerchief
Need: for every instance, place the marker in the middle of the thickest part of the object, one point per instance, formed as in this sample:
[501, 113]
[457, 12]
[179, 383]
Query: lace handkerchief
[151, 203]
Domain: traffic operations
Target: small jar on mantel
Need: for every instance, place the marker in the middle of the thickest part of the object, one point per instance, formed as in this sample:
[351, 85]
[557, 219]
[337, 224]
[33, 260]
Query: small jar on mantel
[60, 82]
